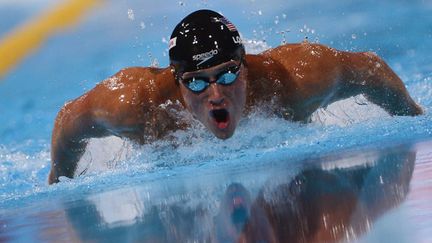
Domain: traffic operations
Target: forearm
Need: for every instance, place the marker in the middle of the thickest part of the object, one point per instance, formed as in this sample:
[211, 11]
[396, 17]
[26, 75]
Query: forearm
[388, 91]
[73, 126]
[380, 84]
[65, 156]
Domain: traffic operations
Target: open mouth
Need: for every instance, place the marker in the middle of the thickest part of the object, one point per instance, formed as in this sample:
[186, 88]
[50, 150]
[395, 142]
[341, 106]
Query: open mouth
[221, 117]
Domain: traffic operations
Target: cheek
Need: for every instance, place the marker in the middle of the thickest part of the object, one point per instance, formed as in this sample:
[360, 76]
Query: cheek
[193, 103]
[240, 93]
[195, 106]
[242, 87]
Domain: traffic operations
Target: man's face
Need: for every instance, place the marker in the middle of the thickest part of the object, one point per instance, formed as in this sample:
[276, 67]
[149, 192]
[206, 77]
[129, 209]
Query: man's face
[219, 107]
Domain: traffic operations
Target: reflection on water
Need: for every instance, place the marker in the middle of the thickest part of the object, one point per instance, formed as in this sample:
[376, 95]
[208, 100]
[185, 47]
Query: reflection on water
[328, 199]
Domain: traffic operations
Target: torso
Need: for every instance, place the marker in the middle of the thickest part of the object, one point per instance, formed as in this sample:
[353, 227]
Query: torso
[136, 96]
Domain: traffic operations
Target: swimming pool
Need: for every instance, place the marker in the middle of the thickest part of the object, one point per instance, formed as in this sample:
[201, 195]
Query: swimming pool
[130, 188]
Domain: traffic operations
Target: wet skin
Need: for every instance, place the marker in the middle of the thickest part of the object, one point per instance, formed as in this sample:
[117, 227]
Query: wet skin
[218, 107]
[296, 78]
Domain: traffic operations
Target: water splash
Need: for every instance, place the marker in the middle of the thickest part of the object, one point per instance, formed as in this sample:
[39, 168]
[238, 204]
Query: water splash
[131, 14]
[353, 122]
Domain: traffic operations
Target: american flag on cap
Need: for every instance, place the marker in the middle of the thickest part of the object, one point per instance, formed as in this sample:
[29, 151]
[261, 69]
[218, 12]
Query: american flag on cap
[228, 24]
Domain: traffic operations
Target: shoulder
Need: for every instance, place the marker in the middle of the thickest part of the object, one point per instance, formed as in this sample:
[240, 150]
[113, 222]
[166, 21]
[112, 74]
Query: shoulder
[134, 88]
[135, 76]
[302, 51]
[313, 58]
[145, 81]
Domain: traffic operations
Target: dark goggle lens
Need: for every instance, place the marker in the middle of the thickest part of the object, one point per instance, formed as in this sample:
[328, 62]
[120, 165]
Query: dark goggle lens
[200, 84]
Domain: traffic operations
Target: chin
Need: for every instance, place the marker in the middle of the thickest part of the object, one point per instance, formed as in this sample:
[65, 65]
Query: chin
[222, 134]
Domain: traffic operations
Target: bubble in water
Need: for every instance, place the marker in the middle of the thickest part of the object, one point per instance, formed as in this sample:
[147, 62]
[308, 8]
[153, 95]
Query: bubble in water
[131, 14]
[181, 3]
[154, 63]
[353, 36]
[276, 20]
[142, 25]
[259, 12]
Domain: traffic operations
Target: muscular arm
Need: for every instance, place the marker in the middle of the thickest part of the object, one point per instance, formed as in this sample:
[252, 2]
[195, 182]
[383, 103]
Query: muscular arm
[125, 105]
[73, 125]
[368, 74]
[316, 75]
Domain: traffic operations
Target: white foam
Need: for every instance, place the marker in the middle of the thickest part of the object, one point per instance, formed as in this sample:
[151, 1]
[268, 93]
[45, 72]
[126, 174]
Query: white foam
[103, 154]
[21, 172]
[198, 145]
[128, 207]
[348, 111]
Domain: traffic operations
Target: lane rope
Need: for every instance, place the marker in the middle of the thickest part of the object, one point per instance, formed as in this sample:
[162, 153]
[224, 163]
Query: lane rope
[27, 38]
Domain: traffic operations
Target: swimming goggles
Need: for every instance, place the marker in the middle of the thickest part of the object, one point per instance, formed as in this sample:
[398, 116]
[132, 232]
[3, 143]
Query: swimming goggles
[199, 84]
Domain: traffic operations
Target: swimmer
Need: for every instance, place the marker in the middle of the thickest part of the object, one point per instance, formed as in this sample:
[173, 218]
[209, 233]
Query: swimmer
[211, 77]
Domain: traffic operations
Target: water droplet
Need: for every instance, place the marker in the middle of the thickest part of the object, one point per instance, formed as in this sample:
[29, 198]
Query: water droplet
[259, 12]
[353, 36]
[131, 14]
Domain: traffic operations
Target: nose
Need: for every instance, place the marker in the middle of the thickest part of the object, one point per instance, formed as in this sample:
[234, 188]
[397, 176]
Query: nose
[215, 97]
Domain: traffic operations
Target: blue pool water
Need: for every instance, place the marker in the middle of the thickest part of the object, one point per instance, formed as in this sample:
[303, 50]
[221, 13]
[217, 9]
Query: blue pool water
[144, 193]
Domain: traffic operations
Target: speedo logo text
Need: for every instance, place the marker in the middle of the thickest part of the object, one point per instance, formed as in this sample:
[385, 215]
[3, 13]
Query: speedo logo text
[205, 55]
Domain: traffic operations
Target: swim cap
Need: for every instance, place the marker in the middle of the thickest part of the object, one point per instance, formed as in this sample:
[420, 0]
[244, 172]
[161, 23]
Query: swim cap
[204, 39]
